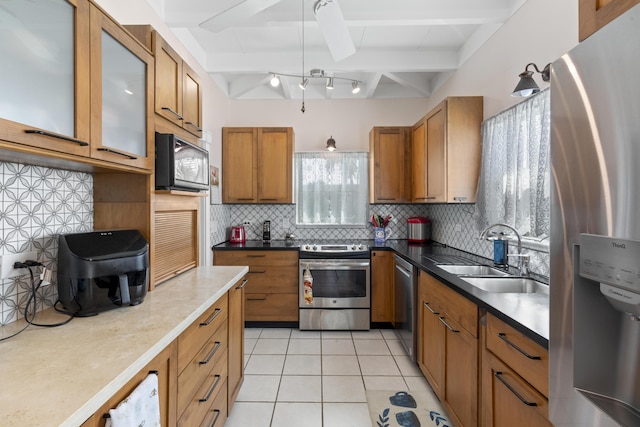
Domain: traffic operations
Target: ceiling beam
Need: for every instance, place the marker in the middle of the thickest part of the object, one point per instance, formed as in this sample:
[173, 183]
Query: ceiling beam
[416, 82]
[244, 84]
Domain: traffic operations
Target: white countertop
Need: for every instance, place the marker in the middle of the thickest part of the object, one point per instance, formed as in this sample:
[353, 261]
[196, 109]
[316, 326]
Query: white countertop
[61, 376]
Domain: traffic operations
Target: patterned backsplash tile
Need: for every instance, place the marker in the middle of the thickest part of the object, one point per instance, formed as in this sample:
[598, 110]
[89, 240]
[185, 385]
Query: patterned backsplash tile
[452, 225]
[37, 204]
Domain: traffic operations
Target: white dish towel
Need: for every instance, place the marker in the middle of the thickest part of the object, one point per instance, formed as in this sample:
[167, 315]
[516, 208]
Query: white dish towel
[140, 409]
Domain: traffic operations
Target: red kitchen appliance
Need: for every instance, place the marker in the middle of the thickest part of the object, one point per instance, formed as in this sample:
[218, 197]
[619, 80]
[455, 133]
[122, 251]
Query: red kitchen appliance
[418, 229]
[238, 234]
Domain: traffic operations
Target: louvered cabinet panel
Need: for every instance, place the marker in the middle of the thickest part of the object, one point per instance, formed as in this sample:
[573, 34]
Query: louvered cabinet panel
[175, 243]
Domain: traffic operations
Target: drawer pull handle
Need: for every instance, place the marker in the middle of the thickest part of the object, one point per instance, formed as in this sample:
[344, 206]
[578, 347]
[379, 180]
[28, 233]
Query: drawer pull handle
[257, 299]
[109, 150]
[215, 420]
[255, 256]
[444, 322]
[212, 318]
[210, 392]
[426, 304]
[504, 338]
[244, 283]
[215, 349]
[55, 135]
[195, 126]
[498, 375]
[258, 272]
[178, 116]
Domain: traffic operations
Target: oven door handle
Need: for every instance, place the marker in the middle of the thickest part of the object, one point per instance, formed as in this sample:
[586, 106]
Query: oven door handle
[333, 264]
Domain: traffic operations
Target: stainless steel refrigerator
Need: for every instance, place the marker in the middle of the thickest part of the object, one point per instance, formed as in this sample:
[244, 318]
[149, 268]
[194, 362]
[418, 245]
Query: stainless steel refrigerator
[594, 369]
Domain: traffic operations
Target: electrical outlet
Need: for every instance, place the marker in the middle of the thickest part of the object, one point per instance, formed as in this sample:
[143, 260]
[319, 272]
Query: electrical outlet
[458, 228]
[6, 268]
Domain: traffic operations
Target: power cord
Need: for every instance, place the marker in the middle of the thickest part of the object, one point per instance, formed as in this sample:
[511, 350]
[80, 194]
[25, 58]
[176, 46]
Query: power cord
[29, 317]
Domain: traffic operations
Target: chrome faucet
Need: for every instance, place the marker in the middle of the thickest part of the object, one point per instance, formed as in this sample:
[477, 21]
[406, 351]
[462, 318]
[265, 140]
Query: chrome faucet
[523, 259]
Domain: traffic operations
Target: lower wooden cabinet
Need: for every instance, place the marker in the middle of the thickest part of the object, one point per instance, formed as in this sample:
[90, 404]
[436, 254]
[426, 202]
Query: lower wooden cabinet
[236, 342]
[382, 286]
[515, 385]
[200, 373]
[271, 294]
[448, 348]
[165, 364]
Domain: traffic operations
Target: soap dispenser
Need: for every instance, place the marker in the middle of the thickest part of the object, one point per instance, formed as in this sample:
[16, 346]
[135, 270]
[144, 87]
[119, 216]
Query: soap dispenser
[500, 251]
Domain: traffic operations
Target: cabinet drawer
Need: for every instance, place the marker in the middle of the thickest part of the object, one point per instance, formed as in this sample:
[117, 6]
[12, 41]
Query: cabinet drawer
[508, 400]
[271, 307]
[190, 342]
[200, 366]
[456, 307]
[207, 395]
[216, 416]
[257, 258]
[278, 280]
[527, 358]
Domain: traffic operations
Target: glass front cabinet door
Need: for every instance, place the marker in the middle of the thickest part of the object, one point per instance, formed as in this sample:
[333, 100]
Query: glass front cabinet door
[121, 95]
[44, 75]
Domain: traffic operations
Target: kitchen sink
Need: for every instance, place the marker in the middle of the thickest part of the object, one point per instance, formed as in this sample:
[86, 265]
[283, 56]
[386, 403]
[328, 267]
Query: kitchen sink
[519, 285]
[473, 270]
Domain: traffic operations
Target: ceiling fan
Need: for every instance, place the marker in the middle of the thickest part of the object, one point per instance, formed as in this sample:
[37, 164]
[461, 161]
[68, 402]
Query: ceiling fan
[327, 12]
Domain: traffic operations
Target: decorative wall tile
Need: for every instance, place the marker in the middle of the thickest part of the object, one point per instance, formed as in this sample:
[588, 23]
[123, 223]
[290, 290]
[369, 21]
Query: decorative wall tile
[37, 204]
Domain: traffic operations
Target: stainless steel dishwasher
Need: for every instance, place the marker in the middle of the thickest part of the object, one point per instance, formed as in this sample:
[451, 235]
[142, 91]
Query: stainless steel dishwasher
[405, 298]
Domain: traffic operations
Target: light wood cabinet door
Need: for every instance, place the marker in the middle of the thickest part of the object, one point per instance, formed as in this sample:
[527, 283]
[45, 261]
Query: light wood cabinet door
[446, 152]
[122, 95]
[168, 81]
[388, 155]
[508, 400]
[382, 286]
[191, 101]
[275, 165]
[461, 376]
[49, 88]
[239, 165]
[236, 341]
[257, 165]
[431, 344]
[165, 364]
[419, 193]
[595, 14]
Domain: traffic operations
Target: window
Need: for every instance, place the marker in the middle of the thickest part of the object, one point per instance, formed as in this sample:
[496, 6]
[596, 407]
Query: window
[331, 188]
[514, 179]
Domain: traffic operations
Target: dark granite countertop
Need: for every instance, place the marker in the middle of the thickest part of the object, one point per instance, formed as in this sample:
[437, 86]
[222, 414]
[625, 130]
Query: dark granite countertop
[528, 313]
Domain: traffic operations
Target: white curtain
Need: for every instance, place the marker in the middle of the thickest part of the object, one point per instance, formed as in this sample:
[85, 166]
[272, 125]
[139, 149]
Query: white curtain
[514, 178]
[331, 188]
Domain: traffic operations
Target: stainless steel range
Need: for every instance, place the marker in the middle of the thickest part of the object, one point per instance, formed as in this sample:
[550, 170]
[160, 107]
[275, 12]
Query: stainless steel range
[340, 297]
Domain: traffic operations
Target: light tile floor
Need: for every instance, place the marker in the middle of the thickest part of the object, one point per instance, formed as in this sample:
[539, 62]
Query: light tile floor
[312, 379]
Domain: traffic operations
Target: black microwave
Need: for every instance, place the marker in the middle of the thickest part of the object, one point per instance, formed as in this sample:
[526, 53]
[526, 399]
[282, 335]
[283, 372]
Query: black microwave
[180, 165]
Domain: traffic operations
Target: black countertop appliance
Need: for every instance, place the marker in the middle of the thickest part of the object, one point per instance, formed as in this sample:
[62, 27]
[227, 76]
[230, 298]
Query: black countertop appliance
[102, 270]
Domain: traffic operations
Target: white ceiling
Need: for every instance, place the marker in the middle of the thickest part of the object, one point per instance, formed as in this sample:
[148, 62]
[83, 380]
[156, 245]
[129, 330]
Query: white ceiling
[403, 48]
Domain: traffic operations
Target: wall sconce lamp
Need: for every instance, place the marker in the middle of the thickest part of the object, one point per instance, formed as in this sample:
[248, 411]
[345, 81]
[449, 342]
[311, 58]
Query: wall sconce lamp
[331, 144]
[527, 86]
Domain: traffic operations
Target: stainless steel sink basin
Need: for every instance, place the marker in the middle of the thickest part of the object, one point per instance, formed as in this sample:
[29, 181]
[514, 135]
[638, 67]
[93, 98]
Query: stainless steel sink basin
[472, 270]
[518, 285]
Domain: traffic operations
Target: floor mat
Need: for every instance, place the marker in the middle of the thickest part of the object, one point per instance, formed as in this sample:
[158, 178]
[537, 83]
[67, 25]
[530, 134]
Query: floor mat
[406, 409]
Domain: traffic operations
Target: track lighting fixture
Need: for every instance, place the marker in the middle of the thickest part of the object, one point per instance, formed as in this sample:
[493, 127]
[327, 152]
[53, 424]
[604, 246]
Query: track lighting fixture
[355, 87]
[305, 79]
[303, 84]
[330, 83]
[275, 81]
[527, 85]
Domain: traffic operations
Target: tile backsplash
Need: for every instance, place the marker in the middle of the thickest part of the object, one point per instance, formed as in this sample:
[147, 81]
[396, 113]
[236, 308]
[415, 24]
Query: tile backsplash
[37, 204]
[452, 225]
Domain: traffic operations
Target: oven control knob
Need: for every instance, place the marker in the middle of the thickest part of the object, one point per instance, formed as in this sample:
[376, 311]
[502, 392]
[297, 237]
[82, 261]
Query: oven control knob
[315, 248]
[306, 248]
[353, 248]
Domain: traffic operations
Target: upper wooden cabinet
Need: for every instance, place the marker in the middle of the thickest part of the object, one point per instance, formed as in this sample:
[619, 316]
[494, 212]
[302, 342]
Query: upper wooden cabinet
[446, 149]
[122, 95]
[388, 156]
[178, 90]
[49, 86]
[257, 165]
[595, 14]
